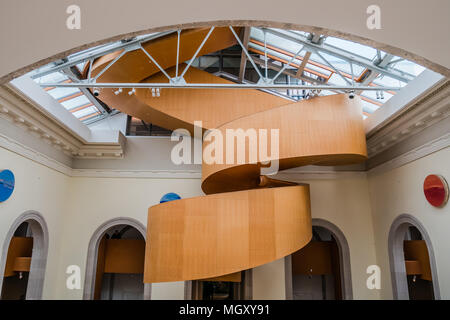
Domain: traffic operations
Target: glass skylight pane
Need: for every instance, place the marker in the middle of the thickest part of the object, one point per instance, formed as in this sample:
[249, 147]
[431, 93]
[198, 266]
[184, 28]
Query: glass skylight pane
[75, 102]
[206, 62]
[80, 66]
[59, 93]
[408, 67]
[54, 77]
[353, 47]
[337, 80]
[275, 41]
[341, 65]
[282, 56]
[387, 81]
[84, 112]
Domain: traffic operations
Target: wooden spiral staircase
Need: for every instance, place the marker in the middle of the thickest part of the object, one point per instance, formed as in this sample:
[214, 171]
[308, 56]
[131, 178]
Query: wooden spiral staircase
[246, 219]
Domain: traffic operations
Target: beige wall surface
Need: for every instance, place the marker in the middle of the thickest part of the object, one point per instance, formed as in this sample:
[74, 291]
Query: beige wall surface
[269, 282]
[35, 30]
[345, 203]
[400, 191]
[43, 190]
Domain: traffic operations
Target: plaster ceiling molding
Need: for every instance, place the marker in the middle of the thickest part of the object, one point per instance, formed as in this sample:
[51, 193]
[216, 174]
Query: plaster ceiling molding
[100, 152]
[20, 111]
[36, 156]
[422, 114]
[412, 155]
[148, 174]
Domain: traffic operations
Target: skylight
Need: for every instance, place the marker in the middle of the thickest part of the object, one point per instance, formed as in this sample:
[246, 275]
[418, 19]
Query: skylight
[305, 60]
[81, 105]
[335, 61]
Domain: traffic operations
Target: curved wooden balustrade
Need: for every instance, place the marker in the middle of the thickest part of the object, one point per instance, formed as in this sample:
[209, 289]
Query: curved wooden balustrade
[246, 219]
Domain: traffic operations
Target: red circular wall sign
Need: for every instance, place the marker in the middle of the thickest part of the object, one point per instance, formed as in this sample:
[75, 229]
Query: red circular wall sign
[436, 190]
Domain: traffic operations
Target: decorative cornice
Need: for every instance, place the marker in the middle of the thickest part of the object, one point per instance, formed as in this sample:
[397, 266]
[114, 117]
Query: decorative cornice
[417, 153]
[31, 154]
[142, 174]
[40, 158]
[429, 110]
[22, 113]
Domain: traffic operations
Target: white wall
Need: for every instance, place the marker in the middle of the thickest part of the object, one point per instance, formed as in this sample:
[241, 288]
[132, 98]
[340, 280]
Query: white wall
[40, 189]
[400, 191]
[269, 281]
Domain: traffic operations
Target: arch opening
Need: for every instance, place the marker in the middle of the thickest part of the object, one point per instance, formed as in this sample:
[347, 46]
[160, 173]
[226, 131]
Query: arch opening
[321, 269]
[24, 258]
[412, 262]
[115, 263]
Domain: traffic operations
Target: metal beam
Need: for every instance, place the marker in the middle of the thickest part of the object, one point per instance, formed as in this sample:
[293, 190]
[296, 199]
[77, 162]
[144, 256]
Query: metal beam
[372, 76]
[245, 40]
[147, 85]
[246, 53]
[342, 54]
[293, 74]
[288, 72]
[234, 78]
[109, 65]
[286, 64]
[332, 67]
[96, 52]
[156, 63]
[196, 52]
[86, 92]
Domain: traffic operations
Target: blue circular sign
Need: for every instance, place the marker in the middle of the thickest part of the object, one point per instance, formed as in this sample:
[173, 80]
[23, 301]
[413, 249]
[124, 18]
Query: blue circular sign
[169, 197]
[6, 184]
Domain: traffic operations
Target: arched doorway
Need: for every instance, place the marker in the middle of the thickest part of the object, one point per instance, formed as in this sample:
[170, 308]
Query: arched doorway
[321, 269]
[24, 258]
[115, 262]
[413, 266]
